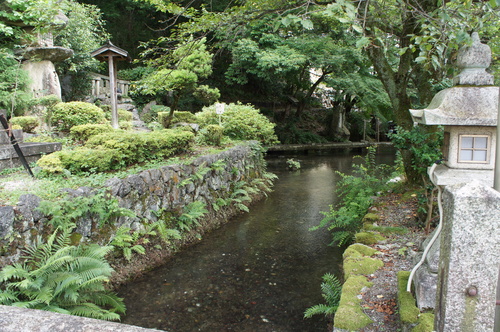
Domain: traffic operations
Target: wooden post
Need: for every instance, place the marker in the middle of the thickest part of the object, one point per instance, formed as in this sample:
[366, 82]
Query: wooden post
[112, 92]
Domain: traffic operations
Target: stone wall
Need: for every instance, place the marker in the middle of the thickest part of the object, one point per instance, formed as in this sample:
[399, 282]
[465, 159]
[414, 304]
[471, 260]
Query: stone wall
[152, 194]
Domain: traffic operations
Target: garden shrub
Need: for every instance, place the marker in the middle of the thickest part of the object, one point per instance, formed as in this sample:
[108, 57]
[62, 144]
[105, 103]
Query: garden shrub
[117, 149]
[27, 123]
[240, 122]
[125, 125]
[67, 115]
[139, 147]
[212, 135]
[152, 115]
[84, 132]
[124, 115]
[181, 116]
[81, 159]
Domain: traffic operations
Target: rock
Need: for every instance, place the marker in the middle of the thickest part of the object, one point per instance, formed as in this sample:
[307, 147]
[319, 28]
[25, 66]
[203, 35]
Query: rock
[6, 220]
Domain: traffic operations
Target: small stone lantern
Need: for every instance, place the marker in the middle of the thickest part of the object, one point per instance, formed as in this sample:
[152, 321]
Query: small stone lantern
[468, 112]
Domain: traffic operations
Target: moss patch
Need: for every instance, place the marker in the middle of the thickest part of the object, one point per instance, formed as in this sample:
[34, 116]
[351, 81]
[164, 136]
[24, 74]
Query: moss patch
[425, 323]
[408, 311]
[349, 315]
[368, 238]
[358, 250]
[371, 217]
[360, 265]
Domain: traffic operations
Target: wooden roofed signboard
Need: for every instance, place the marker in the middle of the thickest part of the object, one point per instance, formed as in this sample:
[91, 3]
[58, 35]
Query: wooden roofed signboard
[111, 53]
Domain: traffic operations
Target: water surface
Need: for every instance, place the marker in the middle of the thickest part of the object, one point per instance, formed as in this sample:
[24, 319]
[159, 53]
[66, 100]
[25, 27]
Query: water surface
[260, 272]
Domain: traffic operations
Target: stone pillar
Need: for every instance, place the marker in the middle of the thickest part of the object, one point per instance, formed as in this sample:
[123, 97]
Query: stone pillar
[470, 259]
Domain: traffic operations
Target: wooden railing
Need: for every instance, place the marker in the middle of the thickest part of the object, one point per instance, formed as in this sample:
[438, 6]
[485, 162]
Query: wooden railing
[100, 85]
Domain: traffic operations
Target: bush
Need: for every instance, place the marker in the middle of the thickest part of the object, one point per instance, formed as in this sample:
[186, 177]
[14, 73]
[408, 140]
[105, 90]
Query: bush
[27, 123]
[240, 122]
[212, 135]
[139, 147]
[67, 115]
[125, 125]
[84, 132]
[81, 159]
[124, 115]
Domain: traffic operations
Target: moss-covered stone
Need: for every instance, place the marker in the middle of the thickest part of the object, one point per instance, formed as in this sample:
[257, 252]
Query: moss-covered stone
[368, 238]
[408, 311]
[425, 323]
[359, 250]
[360, 265]
[371, 217]
[349, 315]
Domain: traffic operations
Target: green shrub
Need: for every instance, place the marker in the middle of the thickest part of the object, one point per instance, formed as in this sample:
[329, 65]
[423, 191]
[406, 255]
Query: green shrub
[240, 122]
[124, 115]
[212, 135]
[187, 117]
[84, 132]
[139, 147]
[125, 125]
[27, 123]
[117, 149]
[67, 115]
[80, 159]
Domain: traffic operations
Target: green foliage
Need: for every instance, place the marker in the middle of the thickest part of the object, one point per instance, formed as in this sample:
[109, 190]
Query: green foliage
[180, 116]
[191, 216]
[99, 207]
[128, 242]
[355, 192]
[153, 114]
[83, 34]
[84, 132]
[14, 94]
[240, 122]
[293, 164]
[117, 149]
[332, 289]
[138, 147]
[180, 73]
[425, 146]
[27, 123]
[62, 278]
[211, 135]
[67, 115]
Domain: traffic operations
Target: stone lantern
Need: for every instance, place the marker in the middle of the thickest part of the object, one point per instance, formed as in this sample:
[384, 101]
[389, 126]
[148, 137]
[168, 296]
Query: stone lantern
[468, 112]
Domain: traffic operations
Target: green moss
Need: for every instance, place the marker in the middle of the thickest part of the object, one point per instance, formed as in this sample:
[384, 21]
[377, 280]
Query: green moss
[425, 323]
[358, 250]
[368, 238]
[349, 315]
[360, 265]
[75, 238]
[371, 217]
[408, 311]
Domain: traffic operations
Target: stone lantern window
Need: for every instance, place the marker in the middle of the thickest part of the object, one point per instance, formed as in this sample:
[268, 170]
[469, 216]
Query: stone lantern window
[468, 112]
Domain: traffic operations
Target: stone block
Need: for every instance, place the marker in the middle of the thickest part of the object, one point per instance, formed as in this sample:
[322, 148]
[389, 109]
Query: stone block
[470, 254]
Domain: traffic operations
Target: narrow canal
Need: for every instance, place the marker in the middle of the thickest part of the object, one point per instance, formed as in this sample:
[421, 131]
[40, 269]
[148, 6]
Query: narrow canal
[260, 272]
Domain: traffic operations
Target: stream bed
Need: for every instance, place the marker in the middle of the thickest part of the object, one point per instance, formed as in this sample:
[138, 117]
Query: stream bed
[259, 272]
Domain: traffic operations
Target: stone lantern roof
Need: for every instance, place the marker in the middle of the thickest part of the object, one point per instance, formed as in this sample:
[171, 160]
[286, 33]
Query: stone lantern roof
[473, 101]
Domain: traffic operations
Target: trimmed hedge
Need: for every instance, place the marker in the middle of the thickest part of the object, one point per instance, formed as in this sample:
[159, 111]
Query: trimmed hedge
[240, 122]
[27, 123]
[67, 115]
[118, 149]
[84, 132]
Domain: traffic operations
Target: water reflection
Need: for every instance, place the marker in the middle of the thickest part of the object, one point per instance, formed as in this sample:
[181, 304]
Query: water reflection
[259, 272]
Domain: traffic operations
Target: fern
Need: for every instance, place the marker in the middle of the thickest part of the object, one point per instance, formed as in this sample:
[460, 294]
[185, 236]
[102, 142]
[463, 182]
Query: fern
[191, 215]
[218, 166]
[331, 289]
[62, 278]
